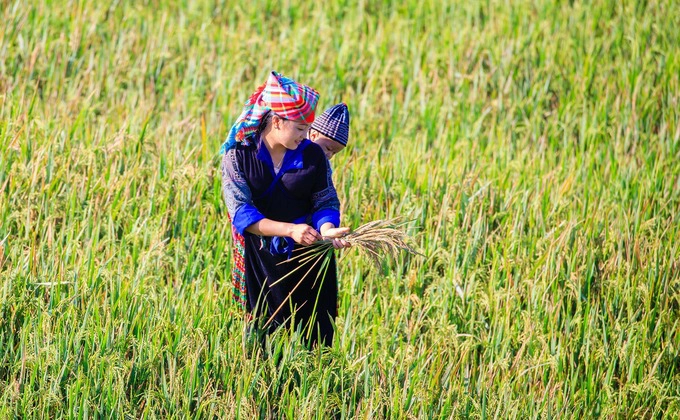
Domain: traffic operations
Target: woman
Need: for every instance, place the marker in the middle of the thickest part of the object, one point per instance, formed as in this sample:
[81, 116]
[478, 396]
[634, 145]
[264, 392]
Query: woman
[280, 195]
[331, 132]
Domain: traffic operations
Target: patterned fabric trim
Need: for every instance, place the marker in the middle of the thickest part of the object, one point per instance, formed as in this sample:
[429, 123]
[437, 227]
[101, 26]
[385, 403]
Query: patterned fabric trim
[326, 198]
[238, 271]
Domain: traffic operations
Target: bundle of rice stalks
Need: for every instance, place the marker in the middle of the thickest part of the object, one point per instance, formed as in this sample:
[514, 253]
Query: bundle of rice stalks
[380, 239]
[377, 240]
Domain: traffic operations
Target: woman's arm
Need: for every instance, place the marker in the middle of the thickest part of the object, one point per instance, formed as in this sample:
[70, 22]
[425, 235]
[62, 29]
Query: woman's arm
[326, 207]
[301, 233]
[325, 203]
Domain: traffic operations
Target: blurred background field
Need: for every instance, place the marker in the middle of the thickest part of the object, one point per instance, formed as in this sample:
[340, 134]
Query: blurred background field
[534, 144]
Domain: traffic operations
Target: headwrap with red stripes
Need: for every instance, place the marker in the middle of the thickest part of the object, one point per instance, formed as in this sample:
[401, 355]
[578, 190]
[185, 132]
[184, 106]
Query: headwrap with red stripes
[281, 95]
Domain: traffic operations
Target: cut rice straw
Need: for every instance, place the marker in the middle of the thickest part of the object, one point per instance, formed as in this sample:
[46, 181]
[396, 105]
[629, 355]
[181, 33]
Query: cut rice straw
[377, 240]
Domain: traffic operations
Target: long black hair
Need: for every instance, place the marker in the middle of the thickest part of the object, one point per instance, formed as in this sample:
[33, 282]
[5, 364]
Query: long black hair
[266, 119]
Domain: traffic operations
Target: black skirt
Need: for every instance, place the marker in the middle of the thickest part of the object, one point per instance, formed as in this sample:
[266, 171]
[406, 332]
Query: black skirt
[307, 298]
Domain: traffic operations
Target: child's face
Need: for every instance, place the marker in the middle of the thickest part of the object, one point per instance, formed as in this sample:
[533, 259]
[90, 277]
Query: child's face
[329, 146]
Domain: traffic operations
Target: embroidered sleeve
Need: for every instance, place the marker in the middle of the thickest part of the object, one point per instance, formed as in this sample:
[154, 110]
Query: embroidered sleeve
[325, 202]
[237, 194]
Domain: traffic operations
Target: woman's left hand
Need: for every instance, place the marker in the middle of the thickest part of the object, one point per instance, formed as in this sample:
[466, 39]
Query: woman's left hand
[335, 235]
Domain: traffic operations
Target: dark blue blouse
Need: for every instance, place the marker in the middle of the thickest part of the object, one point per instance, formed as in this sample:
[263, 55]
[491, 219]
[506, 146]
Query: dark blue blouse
[302, 191]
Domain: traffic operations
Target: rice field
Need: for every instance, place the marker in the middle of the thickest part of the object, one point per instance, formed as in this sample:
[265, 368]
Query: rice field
[534, 146]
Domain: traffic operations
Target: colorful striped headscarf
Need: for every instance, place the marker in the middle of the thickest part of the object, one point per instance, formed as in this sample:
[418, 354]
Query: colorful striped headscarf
[281, 95]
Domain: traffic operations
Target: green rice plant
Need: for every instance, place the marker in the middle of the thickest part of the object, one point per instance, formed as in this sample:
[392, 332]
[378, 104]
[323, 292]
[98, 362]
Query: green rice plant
[535, 144]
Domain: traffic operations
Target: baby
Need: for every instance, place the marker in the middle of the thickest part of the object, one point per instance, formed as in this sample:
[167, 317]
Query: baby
[331, 130]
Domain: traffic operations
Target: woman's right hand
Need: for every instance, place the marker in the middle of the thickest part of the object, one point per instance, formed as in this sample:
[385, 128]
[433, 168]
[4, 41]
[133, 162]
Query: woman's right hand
[304, 234]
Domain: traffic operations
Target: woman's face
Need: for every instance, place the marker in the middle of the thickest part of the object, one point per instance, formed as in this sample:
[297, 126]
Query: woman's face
[289, 133]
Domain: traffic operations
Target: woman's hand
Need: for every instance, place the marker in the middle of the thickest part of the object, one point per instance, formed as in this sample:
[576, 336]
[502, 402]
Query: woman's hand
[335, 235]
[304, 234]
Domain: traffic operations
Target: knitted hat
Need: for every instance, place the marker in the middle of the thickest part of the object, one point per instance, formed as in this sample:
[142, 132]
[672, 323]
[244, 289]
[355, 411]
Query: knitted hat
[285, 97]
[334, 123]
